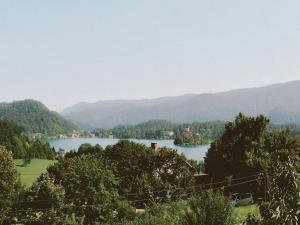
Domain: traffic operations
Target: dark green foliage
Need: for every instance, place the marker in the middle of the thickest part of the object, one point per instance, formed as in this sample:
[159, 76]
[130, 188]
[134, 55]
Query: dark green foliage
[21, 146]
[208, 208]
[44, 203]
[8, 180]
[42, 150]
[33, 117]
[283, 207]
[12, 139]
[236, 152]
[90, 185]
[125, 211]
[159, 214]
[86, 149]
[148, 174]
[27, 158]
[283, 179]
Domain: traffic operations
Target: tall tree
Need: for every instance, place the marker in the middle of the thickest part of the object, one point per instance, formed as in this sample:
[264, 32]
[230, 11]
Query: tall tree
[146, 173]
[90, 186]
[8, 180]
[241, 149]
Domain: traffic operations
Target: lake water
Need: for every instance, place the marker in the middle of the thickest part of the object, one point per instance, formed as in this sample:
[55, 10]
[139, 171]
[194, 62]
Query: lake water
[68, 144]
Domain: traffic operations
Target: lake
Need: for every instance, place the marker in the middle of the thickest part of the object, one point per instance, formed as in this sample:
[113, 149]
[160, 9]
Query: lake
[68, 144]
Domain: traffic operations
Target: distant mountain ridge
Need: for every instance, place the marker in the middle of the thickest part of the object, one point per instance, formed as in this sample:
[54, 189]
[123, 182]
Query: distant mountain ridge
[33, 117]
[280, 102]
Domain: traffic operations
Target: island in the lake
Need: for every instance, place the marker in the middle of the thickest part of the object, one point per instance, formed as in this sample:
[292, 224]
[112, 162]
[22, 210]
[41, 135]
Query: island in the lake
[187, 134]
[187, 137]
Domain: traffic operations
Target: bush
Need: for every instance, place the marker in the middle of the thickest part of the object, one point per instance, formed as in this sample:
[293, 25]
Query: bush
[159, 214]
[125, 211]
[209, 208]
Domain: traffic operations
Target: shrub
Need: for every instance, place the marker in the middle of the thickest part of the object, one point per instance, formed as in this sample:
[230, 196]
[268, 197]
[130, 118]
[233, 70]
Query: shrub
[209, 208]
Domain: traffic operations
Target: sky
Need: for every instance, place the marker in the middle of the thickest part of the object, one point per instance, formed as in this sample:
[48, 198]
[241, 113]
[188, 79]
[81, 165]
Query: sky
[62, 52]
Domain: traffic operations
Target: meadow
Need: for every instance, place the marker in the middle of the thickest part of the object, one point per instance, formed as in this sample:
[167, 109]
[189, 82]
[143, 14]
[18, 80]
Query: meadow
[32, 171]
[240, 213]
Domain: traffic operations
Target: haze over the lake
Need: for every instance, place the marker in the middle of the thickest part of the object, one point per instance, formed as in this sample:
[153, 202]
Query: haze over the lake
[64, 52]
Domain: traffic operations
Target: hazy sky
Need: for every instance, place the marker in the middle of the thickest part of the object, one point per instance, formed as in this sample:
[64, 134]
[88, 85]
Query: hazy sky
[65, 51]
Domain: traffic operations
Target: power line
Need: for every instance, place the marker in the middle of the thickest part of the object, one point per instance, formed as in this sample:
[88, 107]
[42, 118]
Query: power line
[164, 190]
[195, 192]
[186, 188]
[160, 198]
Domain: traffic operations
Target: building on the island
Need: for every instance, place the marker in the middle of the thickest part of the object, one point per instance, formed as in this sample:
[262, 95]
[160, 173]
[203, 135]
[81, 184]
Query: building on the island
[187, 132]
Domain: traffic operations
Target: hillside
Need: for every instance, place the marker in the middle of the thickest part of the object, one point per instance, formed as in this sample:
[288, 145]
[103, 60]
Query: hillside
[280, 102]
[33, 117]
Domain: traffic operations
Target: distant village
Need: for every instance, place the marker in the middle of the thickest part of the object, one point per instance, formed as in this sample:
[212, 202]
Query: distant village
[74, 134]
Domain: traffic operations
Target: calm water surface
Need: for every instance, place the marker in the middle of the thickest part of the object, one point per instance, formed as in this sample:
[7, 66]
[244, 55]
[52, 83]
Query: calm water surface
[68, 144]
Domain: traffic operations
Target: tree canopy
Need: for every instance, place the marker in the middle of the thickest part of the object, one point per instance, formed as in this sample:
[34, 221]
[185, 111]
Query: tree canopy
[145, 173]
[8, 180]
[237, 152]
[89, 184]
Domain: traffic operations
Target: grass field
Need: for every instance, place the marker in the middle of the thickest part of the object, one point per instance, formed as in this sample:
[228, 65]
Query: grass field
[241, 213]
[32, 171]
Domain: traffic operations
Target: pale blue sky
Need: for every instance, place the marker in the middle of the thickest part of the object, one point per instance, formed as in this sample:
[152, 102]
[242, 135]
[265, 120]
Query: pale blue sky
[62, 52]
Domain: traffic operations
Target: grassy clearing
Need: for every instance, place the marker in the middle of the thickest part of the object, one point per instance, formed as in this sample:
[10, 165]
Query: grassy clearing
[32, 171]
[241, 213]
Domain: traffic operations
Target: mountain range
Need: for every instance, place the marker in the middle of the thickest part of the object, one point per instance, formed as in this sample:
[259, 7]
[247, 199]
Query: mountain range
[280, 102]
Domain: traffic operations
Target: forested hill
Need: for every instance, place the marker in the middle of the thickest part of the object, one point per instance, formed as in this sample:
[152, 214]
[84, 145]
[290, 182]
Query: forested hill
[280, 102]
[33, 117]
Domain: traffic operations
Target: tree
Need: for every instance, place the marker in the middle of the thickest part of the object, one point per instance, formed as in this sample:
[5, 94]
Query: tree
[148, 174]
[86, 149]
[27, 158]
[44, 203]
[12, 139]
[8, 180]
[283, 206]
[90, 186]
[41, 150]
[236, 152]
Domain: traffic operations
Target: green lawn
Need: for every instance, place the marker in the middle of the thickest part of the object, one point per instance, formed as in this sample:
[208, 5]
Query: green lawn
[32, 171]
[241, 213]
